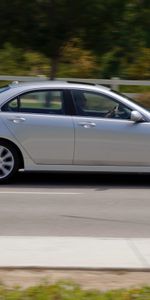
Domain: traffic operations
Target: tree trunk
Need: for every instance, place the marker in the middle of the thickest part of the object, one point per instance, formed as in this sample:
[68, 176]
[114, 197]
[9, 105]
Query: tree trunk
[54, 67]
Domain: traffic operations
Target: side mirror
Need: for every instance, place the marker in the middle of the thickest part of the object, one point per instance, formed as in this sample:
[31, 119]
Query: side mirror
[136, 116]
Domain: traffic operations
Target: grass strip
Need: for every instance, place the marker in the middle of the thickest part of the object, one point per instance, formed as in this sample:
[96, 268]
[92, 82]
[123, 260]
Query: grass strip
[65, 290]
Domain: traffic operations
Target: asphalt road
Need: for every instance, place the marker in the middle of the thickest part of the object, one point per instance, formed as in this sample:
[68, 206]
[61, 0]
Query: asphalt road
[93, 205]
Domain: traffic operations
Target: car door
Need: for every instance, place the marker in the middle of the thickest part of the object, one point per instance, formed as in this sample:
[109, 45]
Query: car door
[105, 134]
[38, 120]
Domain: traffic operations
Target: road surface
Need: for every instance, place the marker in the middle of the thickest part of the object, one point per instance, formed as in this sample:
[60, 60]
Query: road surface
[92, 205]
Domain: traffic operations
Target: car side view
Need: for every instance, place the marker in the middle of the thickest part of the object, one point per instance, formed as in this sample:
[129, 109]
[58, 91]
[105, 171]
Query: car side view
[66, 126]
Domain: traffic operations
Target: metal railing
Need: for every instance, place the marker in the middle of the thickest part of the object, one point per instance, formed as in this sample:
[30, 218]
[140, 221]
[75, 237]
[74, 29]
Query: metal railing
[114, 82]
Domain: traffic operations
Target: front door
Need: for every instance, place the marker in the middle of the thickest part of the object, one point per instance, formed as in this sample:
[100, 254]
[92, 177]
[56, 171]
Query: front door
[105, 135]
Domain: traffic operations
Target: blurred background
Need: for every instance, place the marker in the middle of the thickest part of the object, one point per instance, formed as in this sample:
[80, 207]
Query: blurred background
[77, 38]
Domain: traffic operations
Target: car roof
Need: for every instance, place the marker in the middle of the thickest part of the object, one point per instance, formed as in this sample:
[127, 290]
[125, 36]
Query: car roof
[56, 83]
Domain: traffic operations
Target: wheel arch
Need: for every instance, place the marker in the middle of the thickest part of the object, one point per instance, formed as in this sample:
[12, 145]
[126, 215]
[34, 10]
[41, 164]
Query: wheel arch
[21, 160]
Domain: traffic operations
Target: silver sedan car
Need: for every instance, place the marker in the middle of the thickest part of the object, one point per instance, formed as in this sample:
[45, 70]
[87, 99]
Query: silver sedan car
[66, 126]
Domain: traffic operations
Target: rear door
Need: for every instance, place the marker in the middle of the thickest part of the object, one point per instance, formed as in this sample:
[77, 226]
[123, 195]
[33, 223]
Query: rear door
[38, 120]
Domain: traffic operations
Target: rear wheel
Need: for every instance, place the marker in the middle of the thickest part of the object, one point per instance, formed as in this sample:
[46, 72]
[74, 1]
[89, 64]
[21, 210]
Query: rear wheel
[9, 161]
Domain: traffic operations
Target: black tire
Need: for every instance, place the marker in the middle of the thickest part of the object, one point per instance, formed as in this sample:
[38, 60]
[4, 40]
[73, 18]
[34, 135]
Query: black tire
[9, 161]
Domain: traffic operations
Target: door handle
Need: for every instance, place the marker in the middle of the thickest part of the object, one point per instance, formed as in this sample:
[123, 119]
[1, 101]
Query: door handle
[87, 124]
[17, 120]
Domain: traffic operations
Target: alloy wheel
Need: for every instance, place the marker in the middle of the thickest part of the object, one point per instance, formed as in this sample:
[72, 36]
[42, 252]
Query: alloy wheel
[6, 162]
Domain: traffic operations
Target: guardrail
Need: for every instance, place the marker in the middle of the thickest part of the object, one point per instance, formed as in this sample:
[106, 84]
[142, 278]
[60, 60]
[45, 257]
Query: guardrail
[22, 78]
[114, 82]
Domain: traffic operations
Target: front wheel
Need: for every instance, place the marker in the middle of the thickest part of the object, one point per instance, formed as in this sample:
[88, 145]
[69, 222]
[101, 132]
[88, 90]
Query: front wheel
[9, 162]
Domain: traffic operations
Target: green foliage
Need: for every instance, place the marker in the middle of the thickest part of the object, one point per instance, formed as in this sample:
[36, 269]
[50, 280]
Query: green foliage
[14, 61]
[129, 42]
[114, 38]
[11, 60]
[77, 61]
[36, 63]
[71, 291]
[114, 65]
[139, 67]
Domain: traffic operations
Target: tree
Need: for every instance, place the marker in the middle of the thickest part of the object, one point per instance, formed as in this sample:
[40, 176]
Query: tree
[113, 30]
[47, 25]
[77, 61]
[16, 61]
[41, 25]
[128, 39]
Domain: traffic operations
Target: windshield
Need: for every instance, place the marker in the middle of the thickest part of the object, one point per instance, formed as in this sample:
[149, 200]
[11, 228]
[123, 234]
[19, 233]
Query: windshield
[143, 105]
[4, 88]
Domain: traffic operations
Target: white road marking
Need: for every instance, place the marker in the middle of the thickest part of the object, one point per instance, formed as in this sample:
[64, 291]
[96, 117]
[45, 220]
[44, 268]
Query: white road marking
[39, 193]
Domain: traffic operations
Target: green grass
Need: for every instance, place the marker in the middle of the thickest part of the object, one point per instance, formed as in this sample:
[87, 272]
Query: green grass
[70, 291]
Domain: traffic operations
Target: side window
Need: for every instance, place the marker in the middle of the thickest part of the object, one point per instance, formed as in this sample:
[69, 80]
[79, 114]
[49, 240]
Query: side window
[47, 102]
[11, 106]
[99, 105]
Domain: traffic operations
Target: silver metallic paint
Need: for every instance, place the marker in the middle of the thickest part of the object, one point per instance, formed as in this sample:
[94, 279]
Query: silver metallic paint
[47, 142]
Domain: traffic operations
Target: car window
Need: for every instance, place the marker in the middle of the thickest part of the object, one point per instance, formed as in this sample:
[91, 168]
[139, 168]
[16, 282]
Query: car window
[47, 102]
[99, 105]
